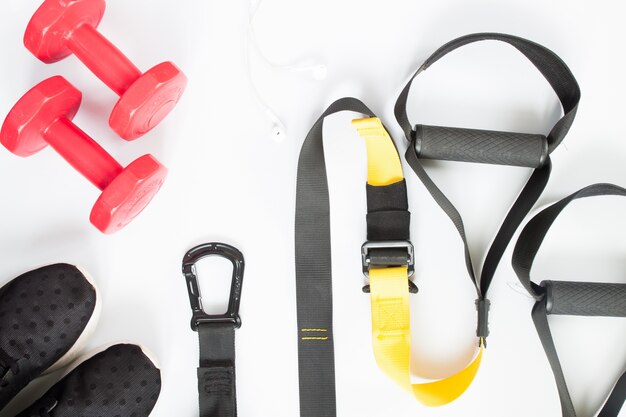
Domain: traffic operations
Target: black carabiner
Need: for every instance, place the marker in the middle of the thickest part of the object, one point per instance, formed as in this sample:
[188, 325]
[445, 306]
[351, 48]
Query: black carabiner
[195, 297]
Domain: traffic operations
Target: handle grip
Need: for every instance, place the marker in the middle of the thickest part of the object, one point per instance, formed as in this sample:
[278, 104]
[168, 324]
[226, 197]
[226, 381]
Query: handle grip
[481, 146]
[585, 298]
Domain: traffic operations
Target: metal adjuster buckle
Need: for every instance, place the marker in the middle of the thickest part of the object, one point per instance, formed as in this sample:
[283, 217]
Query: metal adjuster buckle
[195, 297]
[388, 254]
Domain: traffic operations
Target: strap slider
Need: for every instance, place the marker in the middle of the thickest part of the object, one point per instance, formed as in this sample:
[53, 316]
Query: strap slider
[388, 254]
[482, 306]
[193, 288]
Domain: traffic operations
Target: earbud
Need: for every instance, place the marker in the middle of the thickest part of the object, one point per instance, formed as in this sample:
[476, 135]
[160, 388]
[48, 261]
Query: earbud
[318, 72]
[279, 132]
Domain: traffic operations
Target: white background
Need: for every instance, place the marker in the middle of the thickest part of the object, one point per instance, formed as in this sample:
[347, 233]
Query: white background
[229, 181]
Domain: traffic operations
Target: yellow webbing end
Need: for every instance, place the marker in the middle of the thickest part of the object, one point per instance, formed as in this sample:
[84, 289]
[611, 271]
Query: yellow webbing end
[383, 161]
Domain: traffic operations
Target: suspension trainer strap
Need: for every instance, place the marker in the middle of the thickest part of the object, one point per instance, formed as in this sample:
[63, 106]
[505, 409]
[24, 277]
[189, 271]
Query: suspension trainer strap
[387, 261]
[568, 298]
[504, 148]
[313, 271]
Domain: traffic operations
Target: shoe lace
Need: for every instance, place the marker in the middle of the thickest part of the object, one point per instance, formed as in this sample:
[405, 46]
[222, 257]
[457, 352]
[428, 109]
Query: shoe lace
[8, 364]
[44, 413]
[48, 404]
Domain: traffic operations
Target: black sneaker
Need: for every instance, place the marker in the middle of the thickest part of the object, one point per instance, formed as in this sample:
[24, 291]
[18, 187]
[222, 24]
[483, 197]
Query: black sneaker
[120, 381]
[46, 316]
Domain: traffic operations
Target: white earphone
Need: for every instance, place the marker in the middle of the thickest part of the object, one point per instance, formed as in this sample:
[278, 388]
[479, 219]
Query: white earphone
[317, 71]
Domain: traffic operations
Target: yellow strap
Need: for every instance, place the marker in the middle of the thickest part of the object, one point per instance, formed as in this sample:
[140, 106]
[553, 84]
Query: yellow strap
[391, 309]
[383, 163]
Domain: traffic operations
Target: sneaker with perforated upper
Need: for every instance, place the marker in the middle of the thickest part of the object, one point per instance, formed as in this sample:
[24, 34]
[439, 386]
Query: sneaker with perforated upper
[120, 381]
[46, 316]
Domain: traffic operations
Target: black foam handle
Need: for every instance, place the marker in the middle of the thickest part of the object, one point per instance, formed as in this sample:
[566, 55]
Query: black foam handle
[481, 146]
[585, 298]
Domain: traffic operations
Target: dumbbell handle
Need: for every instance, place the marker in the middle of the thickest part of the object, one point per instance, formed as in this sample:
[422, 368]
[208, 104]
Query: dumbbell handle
[82, 152]
[585, 298]
[103, 58]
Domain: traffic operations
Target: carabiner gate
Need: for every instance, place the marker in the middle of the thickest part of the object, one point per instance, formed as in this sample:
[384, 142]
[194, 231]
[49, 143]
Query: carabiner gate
[195, 297]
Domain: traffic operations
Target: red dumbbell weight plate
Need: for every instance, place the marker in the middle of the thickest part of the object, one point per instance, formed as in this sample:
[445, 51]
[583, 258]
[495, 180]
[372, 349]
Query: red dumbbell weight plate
[148, 101]
[23, 129]
[48, 30]
[128, 194]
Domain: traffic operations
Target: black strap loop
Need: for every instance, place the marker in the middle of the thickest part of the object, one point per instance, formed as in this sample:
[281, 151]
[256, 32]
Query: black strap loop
[547, 62]
[589, 299]
[535, 231]
[562, 80]
[316, 357]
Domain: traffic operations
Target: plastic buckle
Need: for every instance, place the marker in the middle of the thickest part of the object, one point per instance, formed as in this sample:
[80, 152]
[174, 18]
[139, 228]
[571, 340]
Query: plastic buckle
[482, 331]
[388, 254]
[195, 297]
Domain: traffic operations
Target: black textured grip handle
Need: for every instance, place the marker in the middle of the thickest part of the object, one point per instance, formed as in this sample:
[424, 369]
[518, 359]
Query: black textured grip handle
[585, 298]
[481, 146]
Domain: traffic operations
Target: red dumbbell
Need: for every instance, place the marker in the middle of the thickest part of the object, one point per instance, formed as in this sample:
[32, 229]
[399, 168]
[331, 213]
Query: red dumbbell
[43, 117]
[62, 27]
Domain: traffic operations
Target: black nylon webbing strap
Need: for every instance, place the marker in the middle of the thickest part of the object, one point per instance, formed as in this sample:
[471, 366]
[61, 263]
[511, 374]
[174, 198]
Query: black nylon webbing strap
[388, 216]
[594, 299]
[313, 264]
[564, 84]
[216, 373]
